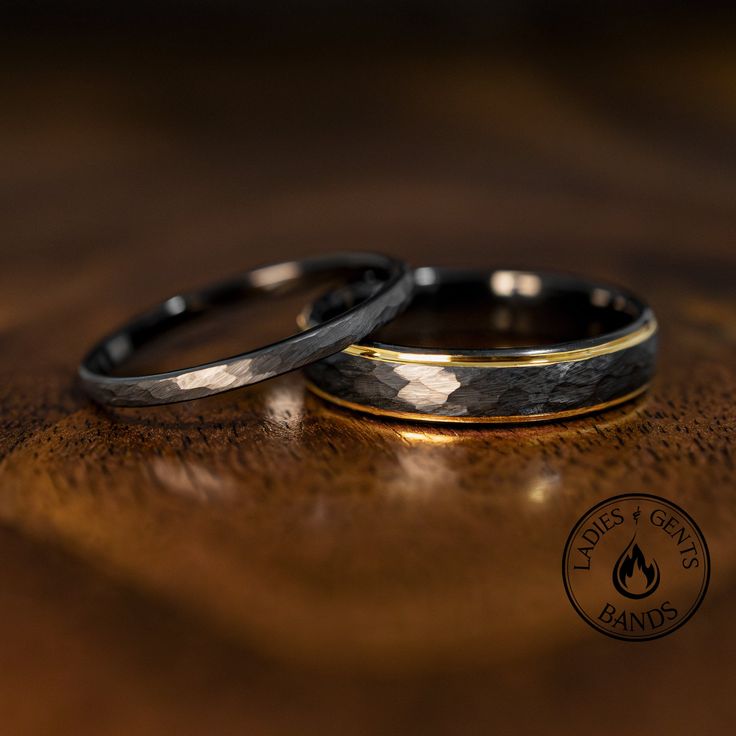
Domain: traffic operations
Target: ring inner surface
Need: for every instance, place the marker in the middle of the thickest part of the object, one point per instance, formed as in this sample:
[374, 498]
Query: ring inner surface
[504, 310]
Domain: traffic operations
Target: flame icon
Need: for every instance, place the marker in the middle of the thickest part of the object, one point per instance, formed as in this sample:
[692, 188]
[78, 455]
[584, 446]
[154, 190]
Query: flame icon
[632, 577]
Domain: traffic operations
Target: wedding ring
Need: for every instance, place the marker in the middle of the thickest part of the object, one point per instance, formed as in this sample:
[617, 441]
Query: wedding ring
[493, 346]
[382, 288]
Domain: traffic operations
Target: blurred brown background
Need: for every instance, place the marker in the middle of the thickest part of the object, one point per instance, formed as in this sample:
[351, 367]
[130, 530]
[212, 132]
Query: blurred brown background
[261, 562]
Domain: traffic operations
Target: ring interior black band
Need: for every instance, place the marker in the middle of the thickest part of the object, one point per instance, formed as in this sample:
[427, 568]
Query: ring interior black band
[485, 312]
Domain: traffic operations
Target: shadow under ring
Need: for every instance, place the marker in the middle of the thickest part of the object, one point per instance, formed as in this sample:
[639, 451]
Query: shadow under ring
[558, 346]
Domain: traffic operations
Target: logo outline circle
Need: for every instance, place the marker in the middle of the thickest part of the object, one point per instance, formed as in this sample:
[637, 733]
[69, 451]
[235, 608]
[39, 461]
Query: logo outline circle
[703, 588]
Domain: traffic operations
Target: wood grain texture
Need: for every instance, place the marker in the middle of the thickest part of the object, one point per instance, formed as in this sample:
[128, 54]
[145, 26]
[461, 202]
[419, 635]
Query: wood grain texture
[261, 562]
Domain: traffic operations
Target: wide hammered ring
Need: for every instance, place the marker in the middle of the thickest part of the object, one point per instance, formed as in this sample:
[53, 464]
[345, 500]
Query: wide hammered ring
[522, 346]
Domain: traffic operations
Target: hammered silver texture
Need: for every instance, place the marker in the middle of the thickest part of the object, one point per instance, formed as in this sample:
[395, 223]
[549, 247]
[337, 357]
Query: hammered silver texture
[466, 391]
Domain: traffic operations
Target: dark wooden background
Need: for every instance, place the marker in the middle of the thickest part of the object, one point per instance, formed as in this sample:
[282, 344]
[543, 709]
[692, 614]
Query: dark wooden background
[262, 563]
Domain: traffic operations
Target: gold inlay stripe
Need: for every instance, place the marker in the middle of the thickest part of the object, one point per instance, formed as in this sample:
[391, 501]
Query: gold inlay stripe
[386, 355]
[511, 419]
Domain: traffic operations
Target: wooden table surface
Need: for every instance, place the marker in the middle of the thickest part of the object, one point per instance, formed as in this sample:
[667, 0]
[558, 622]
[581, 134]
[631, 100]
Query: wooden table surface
[263, 563]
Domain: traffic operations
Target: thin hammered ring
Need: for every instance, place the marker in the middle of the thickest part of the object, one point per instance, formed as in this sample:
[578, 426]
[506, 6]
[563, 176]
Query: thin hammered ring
[385, 286]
